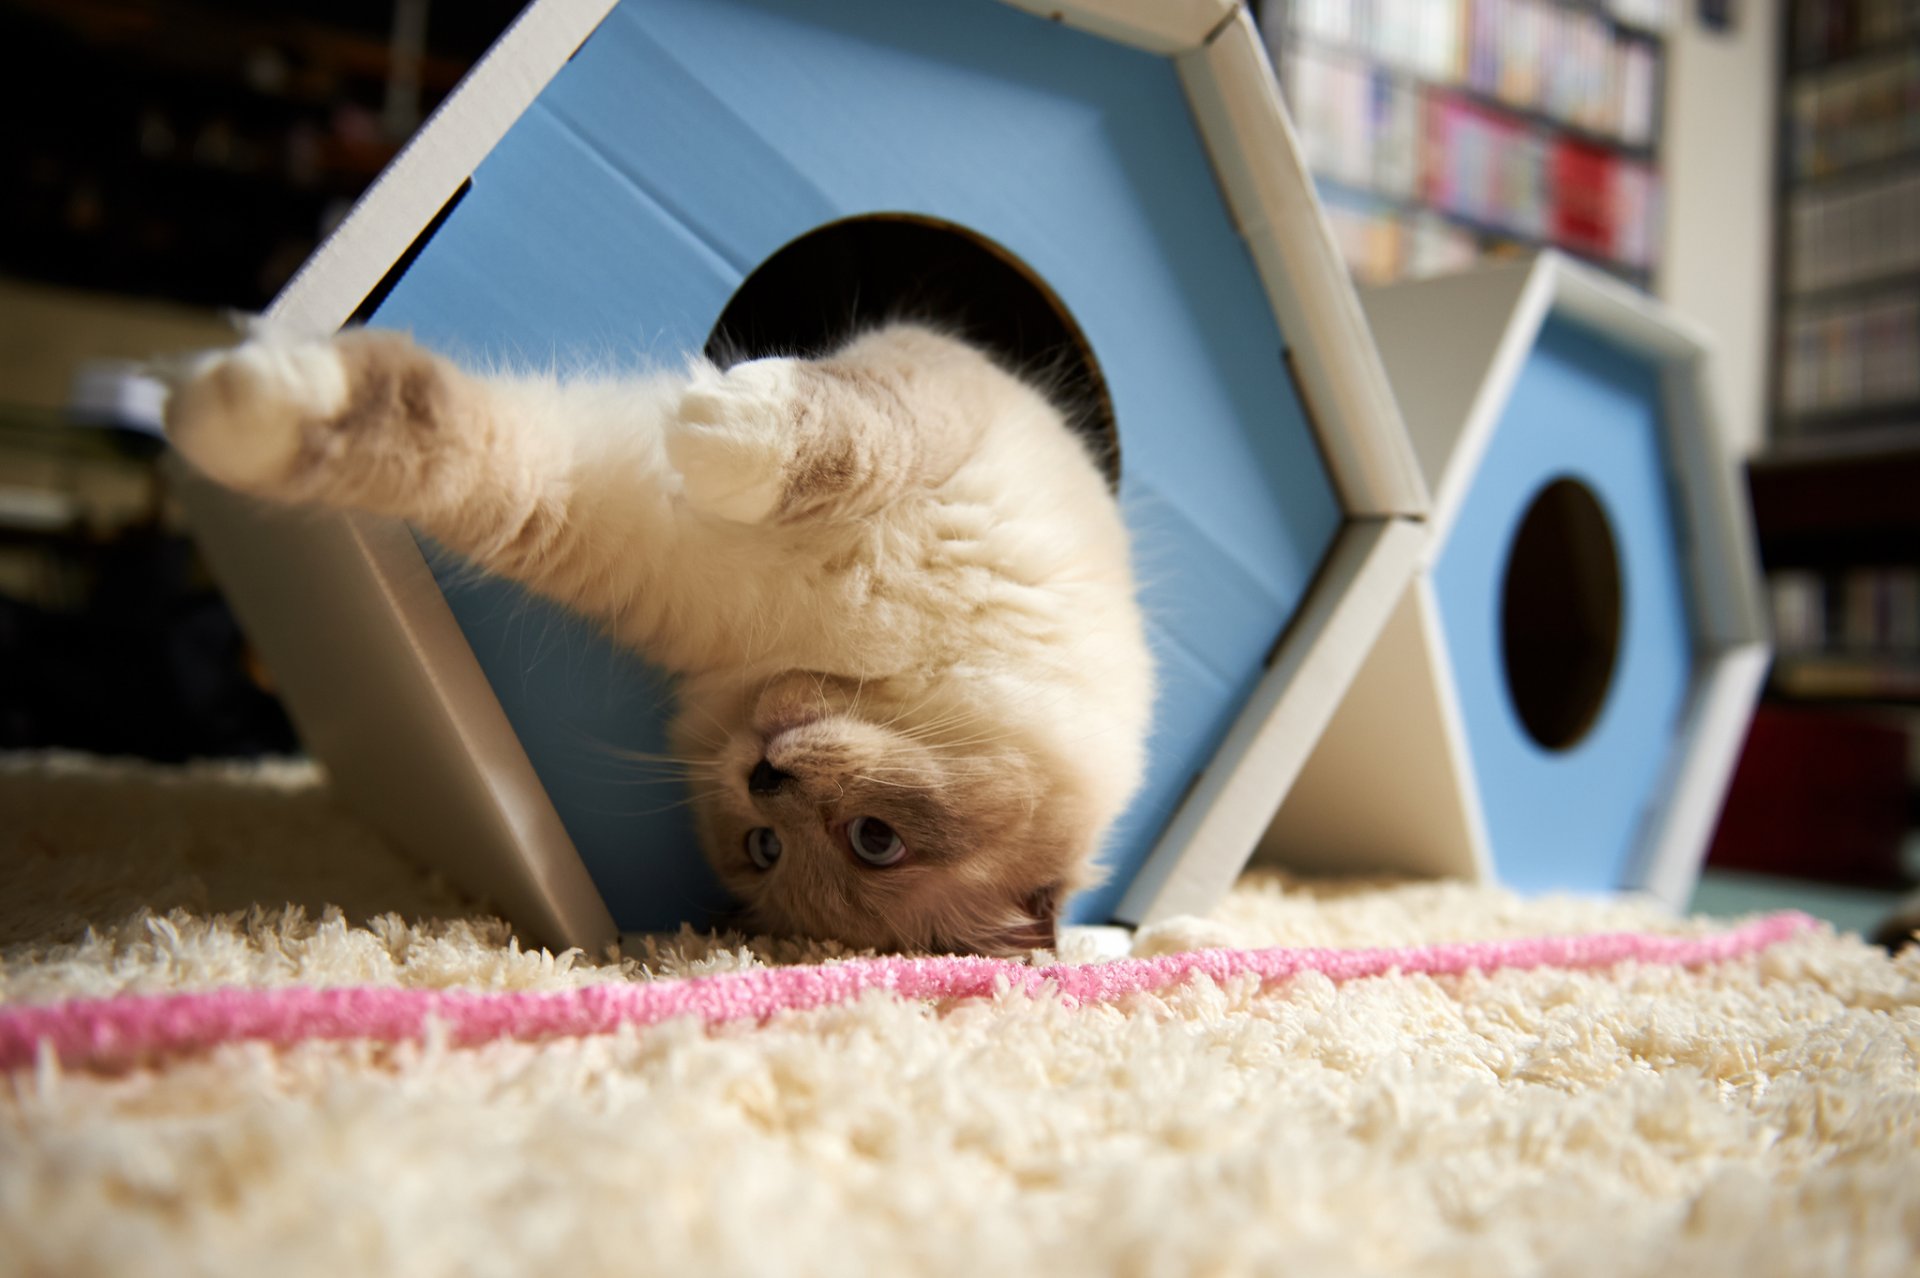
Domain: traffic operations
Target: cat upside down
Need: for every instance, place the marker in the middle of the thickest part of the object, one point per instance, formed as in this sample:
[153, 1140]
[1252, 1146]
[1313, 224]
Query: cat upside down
[913, 685]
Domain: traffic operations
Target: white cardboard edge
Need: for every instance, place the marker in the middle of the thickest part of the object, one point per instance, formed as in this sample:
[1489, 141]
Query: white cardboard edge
[1222, 818]
[1636, 319]
[1725, 565]
[1455, 721]
[1257, 160]
[386, 692]
[1388, 786]
[1528, 312]
[1708, 745]
[444, 153]
[1157, 26]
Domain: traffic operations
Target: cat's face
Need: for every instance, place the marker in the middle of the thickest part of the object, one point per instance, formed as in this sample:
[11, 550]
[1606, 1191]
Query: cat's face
[890, 821]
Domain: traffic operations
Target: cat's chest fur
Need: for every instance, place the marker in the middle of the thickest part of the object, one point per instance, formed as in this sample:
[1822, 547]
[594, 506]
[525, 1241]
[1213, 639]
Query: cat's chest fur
[930, 581]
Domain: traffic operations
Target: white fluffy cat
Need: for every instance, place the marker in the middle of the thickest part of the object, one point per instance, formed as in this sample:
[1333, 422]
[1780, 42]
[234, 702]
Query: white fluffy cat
[914, 688]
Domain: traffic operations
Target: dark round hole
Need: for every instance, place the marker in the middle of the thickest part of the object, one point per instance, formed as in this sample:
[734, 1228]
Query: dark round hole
[817, 291]
[1560, 613]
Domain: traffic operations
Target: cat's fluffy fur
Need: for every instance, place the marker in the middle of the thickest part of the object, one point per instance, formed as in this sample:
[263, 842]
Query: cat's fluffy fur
[892, 574]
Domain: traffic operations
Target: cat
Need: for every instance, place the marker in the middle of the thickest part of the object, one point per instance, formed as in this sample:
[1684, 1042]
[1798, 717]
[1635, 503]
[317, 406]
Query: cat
[913, 685]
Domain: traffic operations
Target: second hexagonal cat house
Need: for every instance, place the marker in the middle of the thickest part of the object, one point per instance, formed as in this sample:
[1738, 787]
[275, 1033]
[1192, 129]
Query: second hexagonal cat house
[1560, 697]
[1114, 192]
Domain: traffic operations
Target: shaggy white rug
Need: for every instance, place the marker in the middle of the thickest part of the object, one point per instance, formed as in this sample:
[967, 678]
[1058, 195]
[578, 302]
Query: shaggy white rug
[1758, 1116]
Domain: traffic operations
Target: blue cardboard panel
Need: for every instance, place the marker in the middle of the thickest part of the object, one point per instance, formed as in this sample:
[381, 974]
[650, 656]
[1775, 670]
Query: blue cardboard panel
[688, 140]
[1587, 409]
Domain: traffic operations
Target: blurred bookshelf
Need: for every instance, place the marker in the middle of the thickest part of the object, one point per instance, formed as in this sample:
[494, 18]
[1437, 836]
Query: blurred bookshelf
[1826, 789]
[1849, 275]
[1839, 532]
[216, 141]
[1837, 493]
[165, 160]
[1439, 131]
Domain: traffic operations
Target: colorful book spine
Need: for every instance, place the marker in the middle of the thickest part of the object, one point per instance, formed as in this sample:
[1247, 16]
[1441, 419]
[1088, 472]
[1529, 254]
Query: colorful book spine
[1456, 107]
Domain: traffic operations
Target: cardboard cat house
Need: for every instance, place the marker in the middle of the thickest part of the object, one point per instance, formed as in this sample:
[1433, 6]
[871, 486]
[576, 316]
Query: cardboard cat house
[1112, 187]
[1561, 695]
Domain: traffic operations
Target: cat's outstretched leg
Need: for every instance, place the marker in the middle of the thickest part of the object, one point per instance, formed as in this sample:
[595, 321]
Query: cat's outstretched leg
[563, 488]
[365, 420]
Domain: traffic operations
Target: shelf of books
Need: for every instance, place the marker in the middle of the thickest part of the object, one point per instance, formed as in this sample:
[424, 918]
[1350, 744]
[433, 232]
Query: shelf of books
[1847, 636]
[213, 143]
[1835, 495]
[1440, 130]
[1840, 536]
[1849, 310]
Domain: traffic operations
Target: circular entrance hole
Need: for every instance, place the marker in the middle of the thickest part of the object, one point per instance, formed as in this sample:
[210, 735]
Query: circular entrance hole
[1560, 613]
[846, 276]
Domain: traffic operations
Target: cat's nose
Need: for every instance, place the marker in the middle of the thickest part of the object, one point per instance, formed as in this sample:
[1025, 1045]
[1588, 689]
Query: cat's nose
[766, 779]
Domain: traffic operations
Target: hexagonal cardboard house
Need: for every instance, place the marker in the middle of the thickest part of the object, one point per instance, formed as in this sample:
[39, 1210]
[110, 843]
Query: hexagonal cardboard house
[1110, 187]
[1560, 697]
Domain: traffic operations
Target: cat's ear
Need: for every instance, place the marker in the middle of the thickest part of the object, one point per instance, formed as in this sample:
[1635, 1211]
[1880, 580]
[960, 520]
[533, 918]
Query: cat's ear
[1036, 927]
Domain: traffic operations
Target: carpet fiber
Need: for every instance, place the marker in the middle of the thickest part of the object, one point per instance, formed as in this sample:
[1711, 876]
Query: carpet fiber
[1754, 1115]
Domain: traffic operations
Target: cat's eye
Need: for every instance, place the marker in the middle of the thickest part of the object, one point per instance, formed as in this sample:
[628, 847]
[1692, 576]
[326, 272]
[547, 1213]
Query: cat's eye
[874, 841]
[763, 847]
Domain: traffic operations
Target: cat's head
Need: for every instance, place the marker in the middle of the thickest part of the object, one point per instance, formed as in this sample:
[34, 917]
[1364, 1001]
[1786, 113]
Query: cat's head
[892, 819]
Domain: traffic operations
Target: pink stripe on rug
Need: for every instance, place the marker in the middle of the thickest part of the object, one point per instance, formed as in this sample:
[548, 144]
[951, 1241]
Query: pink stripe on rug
[130, 1028]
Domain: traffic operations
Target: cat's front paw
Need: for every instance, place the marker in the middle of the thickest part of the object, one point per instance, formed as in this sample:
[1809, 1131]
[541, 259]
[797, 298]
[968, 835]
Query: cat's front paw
[238, 415]
[733, 438]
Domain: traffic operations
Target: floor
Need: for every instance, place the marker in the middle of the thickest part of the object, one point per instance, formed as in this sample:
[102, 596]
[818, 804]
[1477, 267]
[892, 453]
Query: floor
[1731, 892]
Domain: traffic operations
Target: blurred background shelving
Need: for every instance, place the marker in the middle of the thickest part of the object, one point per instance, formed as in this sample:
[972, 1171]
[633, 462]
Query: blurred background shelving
[1441, 130]
[1826, 790]
[199, 151]
[1849, 274]
[1837, 491]
[209, 143]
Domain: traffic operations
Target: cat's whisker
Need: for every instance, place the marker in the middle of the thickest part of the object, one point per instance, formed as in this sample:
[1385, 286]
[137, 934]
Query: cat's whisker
[709, 717]
[859, 694]
[677, 804]
[664, 771]
[979, 738]
[896, 785]
[955, 721]
[668, 761]
[661, 770]
[911, 710]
